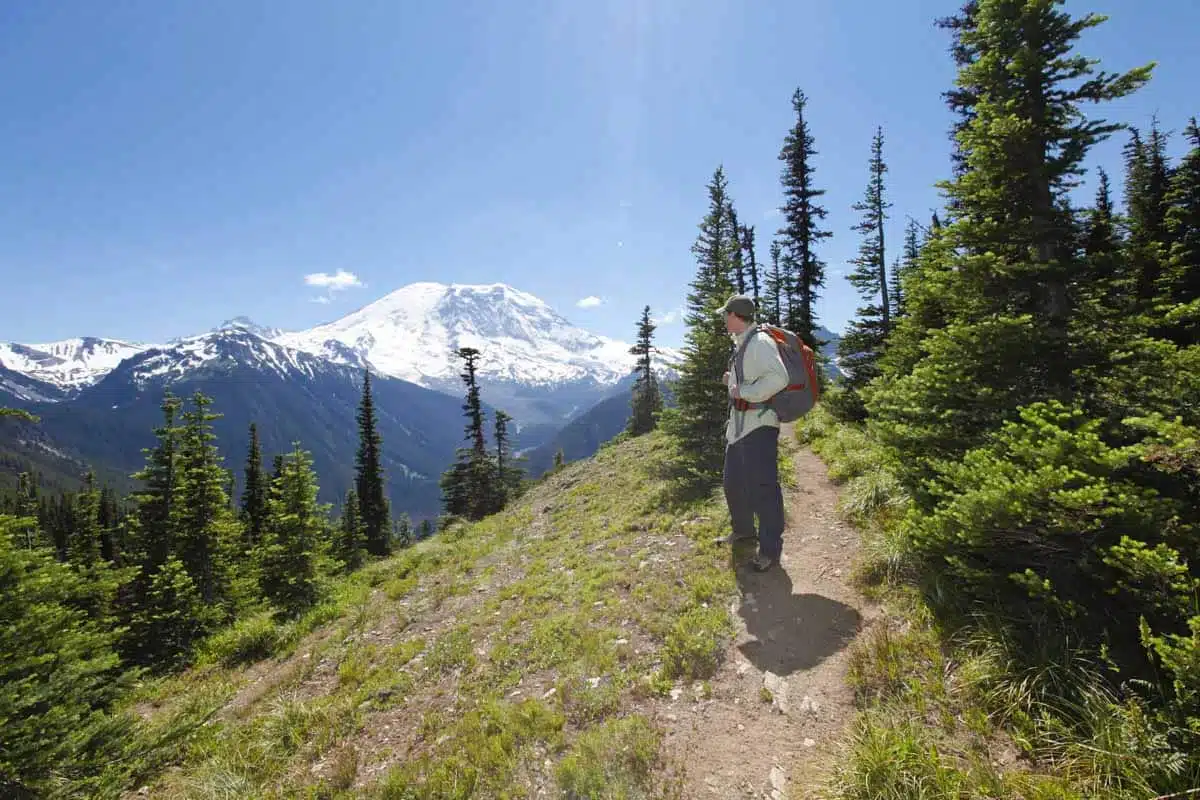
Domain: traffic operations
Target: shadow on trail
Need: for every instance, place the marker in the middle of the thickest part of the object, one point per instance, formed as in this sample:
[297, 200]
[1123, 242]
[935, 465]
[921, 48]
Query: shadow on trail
[793, 631]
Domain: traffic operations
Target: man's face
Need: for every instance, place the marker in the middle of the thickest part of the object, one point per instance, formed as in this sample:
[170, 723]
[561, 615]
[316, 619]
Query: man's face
[733, 324]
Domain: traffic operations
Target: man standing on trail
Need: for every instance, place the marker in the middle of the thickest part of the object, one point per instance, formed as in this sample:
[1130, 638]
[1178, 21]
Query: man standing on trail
[751, 478]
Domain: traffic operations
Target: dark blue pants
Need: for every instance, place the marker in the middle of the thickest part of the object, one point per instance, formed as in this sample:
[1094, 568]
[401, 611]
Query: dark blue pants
[752, 488]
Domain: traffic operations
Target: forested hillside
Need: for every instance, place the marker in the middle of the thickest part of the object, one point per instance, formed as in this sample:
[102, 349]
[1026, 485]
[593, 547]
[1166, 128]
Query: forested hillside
[1019, 425]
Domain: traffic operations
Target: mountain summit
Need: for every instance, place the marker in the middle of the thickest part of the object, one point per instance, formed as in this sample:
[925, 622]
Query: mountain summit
[414, 332]
[68, 365]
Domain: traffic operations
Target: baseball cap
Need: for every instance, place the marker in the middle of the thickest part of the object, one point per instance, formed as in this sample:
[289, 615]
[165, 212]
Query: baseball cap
[739, 304]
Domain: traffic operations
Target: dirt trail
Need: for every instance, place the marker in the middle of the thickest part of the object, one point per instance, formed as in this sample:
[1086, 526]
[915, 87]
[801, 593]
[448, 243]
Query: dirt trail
[780, 701]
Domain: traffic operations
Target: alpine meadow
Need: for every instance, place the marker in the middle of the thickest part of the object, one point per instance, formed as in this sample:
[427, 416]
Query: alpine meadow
[484, 558]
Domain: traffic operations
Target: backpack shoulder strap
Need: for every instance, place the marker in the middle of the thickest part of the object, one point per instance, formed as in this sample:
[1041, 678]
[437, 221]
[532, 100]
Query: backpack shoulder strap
[740, 355]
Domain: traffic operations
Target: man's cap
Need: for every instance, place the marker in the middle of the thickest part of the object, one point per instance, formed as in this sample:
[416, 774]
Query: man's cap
[739, 304]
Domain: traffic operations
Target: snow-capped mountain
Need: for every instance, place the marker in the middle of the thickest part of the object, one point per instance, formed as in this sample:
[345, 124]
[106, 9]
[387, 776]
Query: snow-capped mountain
[414, 332]
[224, 348]
[247, 324]
[68, 365]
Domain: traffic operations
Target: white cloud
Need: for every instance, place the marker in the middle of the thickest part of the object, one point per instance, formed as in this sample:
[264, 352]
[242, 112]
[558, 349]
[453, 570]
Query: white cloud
[332, 284]
[589, 302]
[335, 283]
[669, 318]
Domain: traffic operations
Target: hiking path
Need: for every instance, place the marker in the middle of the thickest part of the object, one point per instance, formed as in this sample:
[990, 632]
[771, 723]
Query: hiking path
[770, 725]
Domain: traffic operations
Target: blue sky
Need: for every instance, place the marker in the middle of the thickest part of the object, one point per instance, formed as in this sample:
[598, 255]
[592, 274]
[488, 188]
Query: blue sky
[169, 165]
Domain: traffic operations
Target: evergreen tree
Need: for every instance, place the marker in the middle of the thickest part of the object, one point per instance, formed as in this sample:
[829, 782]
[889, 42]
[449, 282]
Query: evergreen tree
[1181, 285]
[276, 470]
[508, 474]
[469, 488]
[109, 518]
[751, 262]
[701, 394]
[560, 460]
[99, 580]
[160, 486]
[29, 534]
[368, 480]
[455, 486]
[804, 272]
[863, 345]
[291, 545]
[905, 266]
[737, 266]
[1147, 182]
[351, 541]
[203, 525]
[170, 619]
[254, 494]
[776, 287]
[83, 542]
[404, 530]
[646, 400]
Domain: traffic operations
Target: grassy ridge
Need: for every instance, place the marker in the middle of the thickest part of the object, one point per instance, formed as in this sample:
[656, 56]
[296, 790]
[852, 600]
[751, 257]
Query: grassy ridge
[950, 715]
[494, 659]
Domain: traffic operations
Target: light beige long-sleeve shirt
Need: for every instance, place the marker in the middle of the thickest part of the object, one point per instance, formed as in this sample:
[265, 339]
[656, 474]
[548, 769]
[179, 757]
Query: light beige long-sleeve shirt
[763, 376]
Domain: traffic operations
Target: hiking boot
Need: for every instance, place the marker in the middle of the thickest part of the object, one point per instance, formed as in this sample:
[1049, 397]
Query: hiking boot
[729, 538]
[762, 563]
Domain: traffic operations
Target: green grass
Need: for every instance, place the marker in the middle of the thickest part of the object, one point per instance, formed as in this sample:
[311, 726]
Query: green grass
[488, 661]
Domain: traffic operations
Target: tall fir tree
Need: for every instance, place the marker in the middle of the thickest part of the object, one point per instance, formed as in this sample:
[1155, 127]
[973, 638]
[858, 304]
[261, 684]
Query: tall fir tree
[100, 579]
[27, 509]
[905, 266]
[1103, 280]
[646, 399]
[350, 542]
[801, 234]
[701, 394]
[369, 478]
[1147, 182]
[751, 261]
[110, 527]
[1181, 282]
[469, 489]
[508, 473]
[83, 543]
[737, 264]
[776, 287]
[254, 493]
[203, 525]
[160, 487]
[291, 547]
[164, 614]
[862, 347]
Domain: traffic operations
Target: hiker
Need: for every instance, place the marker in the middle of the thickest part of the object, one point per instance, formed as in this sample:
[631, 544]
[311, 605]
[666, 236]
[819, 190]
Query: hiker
[756, 373]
